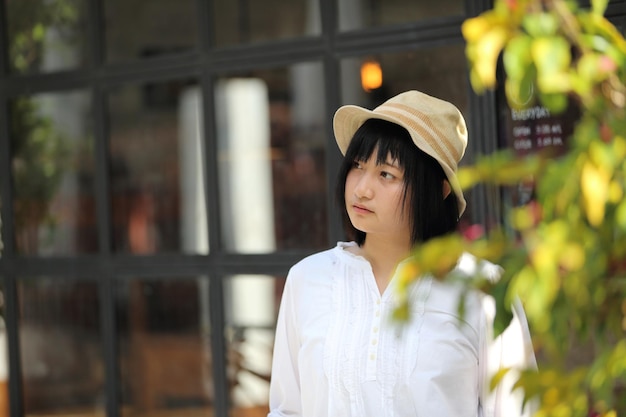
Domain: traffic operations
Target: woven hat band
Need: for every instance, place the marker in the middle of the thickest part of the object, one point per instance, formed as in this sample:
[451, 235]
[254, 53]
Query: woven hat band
[420, 124]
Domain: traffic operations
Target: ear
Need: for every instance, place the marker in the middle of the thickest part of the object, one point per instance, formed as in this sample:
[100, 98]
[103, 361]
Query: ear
[446, 189]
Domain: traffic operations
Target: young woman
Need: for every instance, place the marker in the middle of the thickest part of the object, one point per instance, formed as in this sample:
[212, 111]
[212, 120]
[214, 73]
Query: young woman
[337, 352]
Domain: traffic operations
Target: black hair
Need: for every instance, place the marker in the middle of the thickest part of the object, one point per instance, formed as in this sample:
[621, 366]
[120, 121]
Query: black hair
[431, 214]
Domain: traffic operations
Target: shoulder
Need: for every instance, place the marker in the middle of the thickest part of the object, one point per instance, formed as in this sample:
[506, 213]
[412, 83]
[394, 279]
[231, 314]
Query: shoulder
[315, 270]
[314, 263]
[470, 267]
[310, 280]
[321, 269]
[456, 294]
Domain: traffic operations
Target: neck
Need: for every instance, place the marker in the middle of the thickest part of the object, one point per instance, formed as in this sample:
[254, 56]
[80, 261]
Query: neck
[384, 255]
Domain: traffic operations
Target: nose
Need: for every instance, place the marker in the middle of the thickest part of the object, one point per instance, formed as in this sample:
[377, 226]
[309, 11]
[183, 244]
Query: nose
[363, 188]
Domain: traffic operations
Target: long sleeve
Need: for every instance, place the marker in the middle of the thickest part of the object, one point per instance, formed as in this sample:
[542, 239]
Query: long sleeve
[512, 349]
[285, 395]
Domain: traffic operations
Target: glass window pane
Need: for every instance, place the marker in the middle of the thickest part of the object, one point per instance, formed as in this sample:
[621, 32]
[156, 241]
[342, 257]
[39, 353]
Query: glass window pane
[136, 29]
[531, 129]
[53, 174]
[250, 21]
[60, 347]
[440, 72]
[2, 238]
[361, 14]
[251, 303]
[165, 347]
[272, 159]
[157, 174]
[4, 358]
[46, 36]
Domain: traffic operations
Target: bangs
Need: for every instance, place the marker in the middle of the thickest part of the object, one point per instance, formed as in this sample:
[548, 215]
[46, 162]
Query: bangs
[378, 136]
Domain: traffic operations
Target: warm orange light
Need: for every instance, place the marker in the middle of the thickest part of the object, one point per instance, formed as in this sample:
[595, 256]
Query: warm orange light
[371, 75]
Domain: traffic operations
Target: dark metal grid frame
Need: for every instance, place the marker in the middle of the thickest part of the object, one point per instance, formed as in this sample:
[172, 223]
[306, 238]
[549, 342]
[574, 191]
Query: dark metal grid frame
[205, 63]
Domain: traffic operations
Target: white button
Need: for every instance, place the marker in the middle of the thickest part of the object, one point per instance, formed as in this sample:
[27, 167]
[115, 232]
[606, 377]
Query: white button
[374, 342]
[372, 357]
[378, 301]
[375, 329]
[377, 313]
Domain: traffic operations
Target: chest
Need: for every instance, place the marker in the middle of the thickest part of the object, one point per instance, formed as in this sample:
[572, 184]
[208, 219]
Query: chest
[354, 339]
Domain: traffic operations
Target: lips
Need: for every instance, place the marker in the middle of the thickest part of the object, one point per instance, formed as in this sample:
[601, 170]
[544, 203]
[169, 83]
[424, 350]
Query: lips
[361, 209]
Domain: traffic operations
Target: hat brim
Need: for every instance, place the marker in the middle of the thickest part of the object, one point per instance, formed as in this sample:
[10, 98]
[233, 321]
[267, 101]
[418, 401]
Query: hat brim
[349, 118]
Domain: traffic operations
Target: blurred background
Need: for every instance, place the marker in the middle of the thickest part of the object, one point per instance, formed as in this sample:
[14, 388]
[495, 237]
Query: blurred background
[162, 165]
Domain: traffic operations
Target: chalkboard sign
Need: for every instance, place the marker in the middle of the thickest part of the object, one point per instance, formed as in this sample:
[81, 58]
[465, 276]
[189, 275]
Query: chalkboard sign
[529, 130]
[533, 129]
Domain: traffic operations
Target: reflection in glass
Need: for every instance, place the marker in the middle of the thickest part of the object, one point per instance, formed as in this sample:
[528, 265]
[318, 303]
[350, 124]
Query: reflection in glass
[4, 358]
[53, 174]
[272, 150]
[46, 36]
[1, 234]
[156, 173]
[60, 347]
[361, 14]
[136, 29]
[164, 345]
[251, 303]
[249, 21]
[440, 71]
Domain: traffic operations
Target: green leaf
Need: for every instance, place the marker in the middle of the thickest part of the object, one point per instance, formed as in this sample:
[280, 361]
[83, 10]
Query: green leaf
[620, 215]
[39, 32]
[503, 312]
[540, 24]
[557, 103]
[517, 58]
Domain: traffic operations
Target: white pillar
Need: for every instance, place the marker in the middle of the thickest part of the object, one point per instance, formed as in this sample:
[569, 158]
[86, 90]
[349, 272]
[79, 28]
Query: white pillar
[246, 195]
[193, 213]
[245, 165]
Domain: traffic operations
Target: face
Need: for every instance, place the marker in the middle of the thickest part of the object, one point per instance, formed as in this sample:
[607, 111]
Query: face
[373, 196]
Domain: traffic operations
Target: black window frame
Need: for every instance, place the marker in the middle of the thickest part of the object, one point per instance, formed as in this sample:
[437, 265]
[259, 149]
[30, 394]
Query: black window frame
[205, 63]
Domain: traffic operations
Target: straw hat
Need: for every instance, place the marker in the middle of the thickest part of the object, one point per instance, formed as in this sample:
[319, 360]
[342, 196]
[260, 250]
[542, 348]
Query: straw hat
[437, 127]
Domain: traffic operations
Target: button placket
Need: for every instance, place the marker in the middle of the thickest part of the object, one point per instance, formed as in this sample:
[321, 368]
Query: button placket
[374, 336]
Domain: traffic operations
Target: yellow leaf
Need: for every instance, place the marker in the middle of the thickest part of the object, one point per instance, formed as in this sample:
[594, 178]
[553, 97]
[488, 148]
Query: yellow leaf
[408, 273]
[488, 49]
[522, 218]
[468, 177]
[551, 397]
[543, 258]
[554, 82]
[595, 188]
[615, 192]
[573, 257]
[475, 27]
[599, 6]
[551, 54]
[497, 378]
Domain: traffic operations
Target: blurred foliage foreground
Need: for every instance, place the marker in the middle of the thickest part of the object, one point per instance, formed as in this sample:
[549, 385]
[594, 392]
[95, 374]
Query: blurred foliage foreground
[568, 260]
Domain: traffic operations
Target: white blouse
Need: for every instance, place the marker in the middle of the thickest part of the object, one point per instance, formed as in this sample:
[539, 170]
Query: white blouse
[338, 353]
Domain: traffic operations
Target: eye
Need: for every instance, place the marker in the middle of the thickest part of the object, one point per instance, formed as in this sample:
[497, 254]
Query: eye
[386, 175]
[356, 164]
